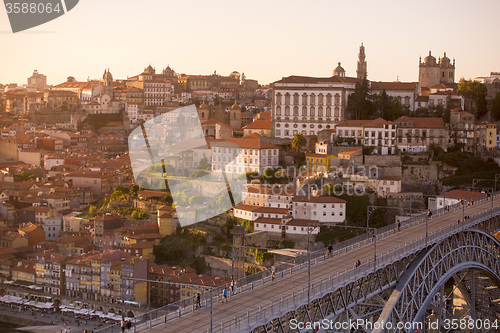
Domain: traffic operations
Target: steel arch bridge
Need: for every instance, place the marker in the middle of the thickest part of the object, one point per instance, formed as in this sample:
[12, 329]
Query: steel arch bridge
[403, 290]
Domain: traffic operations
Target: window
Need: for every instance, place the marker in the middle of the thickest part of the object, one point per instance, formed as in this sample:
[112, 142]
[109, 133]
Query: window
[296, 99]
[304, 99]
[304, 111]
[328, 111]
[287, 110]
[320, 99]
[278, 110]
[328, 99]
[337, 99]
[295, 110]
[287, 99]
[312, 99]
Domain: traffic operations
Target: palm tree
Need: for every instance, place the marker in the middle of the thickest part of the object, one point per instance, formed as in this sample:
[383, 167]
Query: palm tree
[299, 141]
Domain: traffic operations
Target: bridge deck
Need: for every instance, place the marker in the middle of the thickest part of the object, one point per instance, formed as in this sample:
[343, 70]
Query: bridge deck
[199, 320]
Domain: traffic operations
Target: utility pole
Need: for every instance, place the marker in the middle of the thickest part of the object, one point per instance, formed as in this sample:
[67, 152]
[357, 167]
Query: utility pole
[211, 309]
[123, 286]
[308, 268]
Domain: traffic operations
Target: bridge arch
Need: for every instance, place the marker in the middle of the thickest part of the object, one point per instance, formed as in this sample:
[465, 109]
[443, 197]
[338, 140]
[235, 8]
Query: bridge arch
[470, 249]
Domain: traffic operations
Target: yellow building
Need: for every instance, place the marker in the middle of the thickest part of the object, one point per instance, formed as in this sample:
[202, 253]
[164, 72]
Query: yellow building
[24, 271]
[95, 263]
[491, 136]
[167, 221]
[319, 162]
[40, 272]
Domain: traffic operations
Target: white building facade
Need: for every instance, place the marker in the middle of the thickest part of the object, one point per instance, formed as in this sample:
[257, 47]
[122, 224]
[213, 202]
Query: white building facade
[309, 104]
[322, 209]
[237, 156]
[378, 133]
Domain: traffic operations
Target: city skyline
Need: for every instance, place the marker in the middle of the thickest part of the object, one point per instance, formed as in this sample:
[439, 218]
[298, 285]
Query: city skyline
[264, 42]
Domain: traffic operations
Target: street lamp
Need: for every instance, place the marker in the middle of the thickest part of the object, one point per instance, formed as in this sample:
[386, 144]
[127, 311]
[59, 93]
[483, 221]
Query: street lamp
[373, 231]
[122, 286]
[497, 176]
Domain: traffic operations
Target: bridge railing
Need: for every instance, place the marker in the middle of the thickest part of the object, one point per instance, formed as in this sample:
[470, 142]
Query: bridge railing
[170, 312]
[272, 310]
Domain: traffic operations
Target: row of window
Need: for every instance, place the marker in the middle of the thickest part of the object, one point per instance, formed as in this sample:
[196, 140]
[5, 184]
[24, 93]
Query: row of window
[236, 151]
[311, 113]
[264, 226]
[305, 97]
[367, 133]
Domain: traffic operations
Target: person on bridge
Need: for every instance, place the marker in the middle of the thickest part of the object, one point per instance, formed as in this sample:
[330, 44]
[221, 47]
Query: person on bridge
[234, 287]
[198, 300]
[329, 249]
[273, 272]
[399, 225]
[224, 294]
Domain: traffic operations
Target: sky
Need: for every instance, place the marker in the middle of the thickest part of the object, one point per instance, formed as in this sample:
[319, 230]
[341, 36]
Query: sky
[266, 40]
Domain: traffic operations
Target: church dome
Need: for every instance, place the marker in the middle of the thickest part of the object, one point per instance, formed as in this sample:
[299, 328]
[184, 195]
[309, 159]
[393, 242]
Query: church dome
[203, 105]
[430, 60]
[339, 71]
[235, 106]
[445, 61]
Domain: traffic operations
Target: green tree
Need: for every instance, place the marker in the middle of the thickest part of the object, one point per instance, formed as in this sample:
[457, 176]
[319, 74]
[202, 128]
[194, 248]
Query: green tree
[269, 176]
[299, 141]
[204, 164]
[136, 215]
[359, 105]
[300, 159]
[495, 107]
[388, 107]
[474, 92]
[92, 211]
[135, 189]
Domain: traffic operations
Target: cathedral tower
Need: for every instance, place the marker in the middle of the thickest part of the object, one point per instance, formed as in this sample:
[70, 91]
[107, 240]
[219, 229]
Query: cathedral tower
[235, 116]
[431, 72]
[361, 71]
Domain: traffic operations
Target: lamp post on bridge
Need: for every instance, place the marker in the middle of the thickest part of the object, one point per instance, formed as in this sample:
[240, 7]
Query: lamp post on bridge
[198, 287]
[373, 231]
[497, 176]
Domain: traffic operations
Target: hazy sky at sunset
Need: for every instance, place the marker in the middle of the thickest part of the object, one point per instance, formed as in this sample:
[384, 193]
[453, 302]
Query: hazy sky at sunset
[264, 39]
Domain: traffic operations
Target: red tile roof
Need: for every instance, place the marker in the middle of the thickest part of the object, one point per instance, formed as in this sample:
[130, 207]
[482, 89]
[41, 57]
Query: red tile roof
[421, 122]
[259, 124]
[393, 85]
[379, 122]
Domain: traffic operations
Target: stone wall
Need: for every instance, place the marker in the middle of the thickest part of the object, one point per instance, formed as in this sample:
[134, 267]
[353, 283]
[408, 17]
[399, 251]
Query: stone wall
[383, 160]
